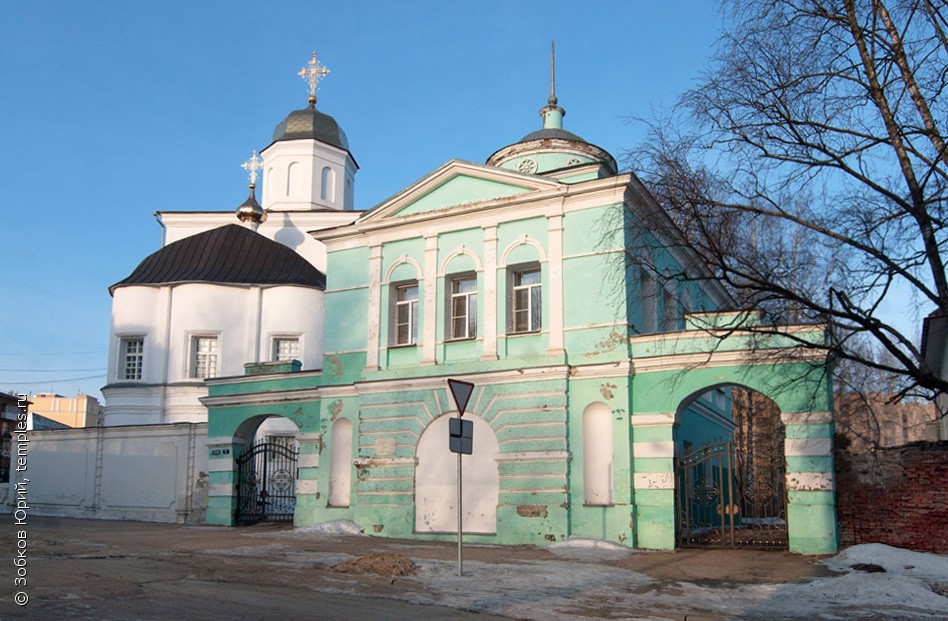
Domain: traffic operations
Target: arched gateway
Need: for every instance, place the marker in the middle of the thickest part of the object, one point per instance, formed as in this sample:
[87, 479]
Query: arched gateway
[561, 450]
[670, 369]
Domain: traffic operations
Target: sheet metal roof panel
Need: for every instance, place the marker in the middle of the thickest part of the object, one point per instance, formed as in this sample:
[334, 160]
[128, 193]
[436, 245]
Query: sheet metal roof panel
[230, 254]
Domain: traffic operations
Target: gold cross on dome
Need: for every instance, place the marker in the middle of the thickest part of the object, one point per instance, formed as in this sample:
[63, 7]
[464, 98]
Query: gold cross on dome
[252, 166]
[313, 73]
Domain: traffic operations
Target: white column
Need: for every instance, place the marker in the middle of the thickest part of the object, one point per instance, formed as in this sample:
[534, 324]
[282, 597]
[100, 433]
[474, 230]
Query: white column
[490, 293]
[254, 321]
[374, 308]
[555, 268]
[429, 315]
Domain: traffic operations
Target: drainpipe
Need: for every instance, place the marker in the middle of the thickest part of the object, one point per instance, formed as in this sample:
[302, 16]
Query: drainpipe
[164, 231]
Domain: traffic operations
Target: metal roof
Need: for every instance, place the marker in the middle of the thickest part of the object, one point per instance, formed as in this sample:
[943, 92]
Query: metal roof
[230, 254]
[543, 134]
[311, 123]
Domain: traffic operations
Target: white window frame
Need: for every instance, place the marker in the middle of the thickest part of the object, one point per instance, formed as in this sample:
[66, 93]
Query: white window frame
[464, 301]
[534, 299]
[213, 357]
[410, 307]
[275, 342]
[123, 366]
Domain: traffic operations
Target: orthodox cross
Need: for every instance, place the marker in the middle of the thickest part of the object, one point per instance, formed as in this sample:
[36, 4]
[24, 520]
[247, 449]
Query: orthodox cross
[252, 166]
[313, 73]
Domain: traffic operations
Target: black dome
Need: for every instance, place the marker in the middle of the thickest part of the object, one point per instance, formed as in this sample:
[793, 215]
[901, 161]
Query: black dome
[230, 254]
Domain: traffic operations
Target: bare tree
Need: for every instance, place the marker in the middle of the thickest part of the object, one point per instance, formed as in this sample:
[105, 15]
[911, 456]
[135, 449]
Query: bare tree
[809, 169]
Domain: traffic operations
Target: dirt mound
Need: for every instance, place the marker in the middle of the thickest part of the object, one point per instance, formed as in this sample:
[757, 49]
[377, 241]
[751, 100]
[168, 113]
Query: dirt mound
[378, 564]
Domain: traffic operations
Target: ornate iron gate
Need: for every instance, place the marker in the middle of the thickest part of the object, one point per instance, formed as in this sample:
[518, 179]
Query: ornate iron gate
[726, 498]
[266, 483]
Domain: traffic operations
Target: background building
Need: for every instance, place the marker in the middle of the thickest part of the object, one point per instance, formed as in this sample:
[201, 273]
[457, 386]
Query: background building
[79, 411]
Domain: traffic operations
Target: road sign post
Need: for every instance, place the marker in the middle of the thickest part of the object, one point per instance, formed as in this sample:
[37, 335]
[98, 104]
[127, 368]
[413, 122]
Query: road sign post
[460, 441]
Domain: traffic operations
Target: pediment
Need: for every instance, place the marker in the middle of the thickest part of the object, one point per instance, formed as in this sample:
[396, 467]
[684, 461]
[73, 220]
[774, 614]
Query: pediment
[457, 183]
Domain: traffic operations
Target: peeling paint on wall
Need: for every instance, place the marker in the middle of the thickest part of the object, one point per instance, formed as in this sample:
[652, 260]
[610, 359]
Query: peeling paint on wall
[606, 390]
[532, 511]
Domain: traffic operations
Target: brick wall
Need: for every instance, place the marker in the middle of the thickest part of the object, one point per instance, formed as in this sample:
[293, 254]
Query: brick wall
[897, 496]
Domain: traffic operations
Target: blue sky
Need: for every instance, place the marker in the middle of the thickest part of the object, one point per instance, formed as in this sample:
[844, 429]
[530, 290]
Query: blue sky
[112, 110]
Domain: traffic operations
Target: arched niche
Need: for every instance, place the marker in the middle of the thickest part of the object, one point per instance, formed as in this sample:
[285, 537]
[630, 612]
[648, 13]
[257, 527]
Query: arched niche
[436, 480]
[340, 463]
[597, 455]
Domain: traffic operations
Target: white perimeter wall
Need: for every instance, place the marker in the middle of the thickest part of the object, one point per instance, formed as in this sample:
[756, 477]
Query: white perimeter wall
[153, 473]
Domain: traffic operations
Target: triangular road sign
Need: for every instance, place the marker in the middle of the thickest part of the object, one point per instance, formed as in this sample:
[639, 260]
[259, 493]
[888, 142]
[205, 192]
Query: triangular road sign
[461, 392]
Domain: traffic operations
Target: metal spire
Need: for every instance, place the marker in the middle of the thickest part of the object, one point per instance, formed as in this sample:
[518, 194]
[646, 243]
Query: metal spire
[552, 99]
[551, 113]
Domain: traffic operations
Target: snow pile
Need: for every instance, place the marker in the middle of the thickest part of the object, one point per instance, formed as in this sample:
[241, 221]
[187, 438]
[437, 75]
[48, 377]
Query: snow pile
[908, 587]
[581, 548]
[867, 592]
[932, 568]
[333, 527]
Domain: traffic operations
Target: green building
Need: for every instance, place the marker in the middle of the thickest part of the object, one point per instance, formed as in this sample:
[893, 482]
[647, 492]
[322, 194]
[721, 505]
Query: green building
[594, 375]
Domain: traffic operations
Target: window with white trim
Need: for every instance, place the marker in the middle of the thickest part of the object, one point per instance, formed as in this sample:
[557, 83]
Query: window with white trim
[525, 310]
[203, 357]
[132, 356]
[405, 311]
[462, 306]
[286, 348]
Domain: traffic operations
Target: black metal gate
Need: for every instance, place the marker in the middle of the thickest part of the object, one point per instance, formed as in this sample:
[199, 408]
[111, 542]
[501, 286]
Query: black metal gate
[266, 483]
[726, 498]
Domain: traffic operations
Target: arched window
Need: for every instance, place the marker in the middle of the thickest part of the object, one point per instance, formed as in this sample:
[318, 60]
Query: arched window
[597, 454]
[327, 189]
[340, 463]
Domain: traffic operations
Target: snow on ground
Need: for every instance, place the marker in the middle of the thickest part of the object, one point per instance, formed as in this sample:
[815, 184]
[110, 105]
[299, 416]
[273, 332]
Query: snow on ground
[580, 582]
[928, 567]
[332, 527]
[567, 589]
[597, 549]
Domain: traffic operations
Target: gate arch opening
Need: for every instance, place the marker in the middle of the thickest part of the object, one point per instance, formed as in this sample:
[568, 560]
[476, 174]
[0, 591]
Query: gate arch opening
[730, 469]
[436, 508]
[265, 469]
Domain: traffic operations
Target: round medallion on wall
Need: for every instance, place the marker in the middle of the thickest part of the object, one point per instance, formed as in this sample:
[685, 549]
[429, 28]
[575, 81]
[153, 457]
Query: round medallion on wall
[573, 161]
[527, 166]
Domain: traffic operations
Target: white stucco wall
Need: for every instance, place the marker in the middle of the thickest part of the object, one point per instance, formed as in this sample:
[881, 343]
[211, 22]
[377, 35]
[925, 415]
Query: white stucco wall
[244, 319]
[155, 473]
[307, 158]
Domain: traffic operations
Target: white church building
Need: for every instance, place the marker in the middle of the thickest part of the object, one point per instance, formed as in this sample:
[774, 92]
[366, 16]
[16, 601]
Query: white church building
[221, 293]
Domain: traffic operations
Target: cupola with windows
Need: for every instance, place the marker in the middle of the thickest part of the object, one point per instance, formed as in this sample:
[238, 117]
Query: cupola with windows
[308, 166]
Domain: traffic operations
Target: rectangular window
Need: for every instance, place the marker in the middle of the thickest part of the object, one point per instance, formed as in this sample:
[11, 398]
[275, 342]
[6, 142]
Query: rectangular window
[286, 348]
[525, 309]
[133, 350]
[463, 305]
[203, 357]
[406, 314]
